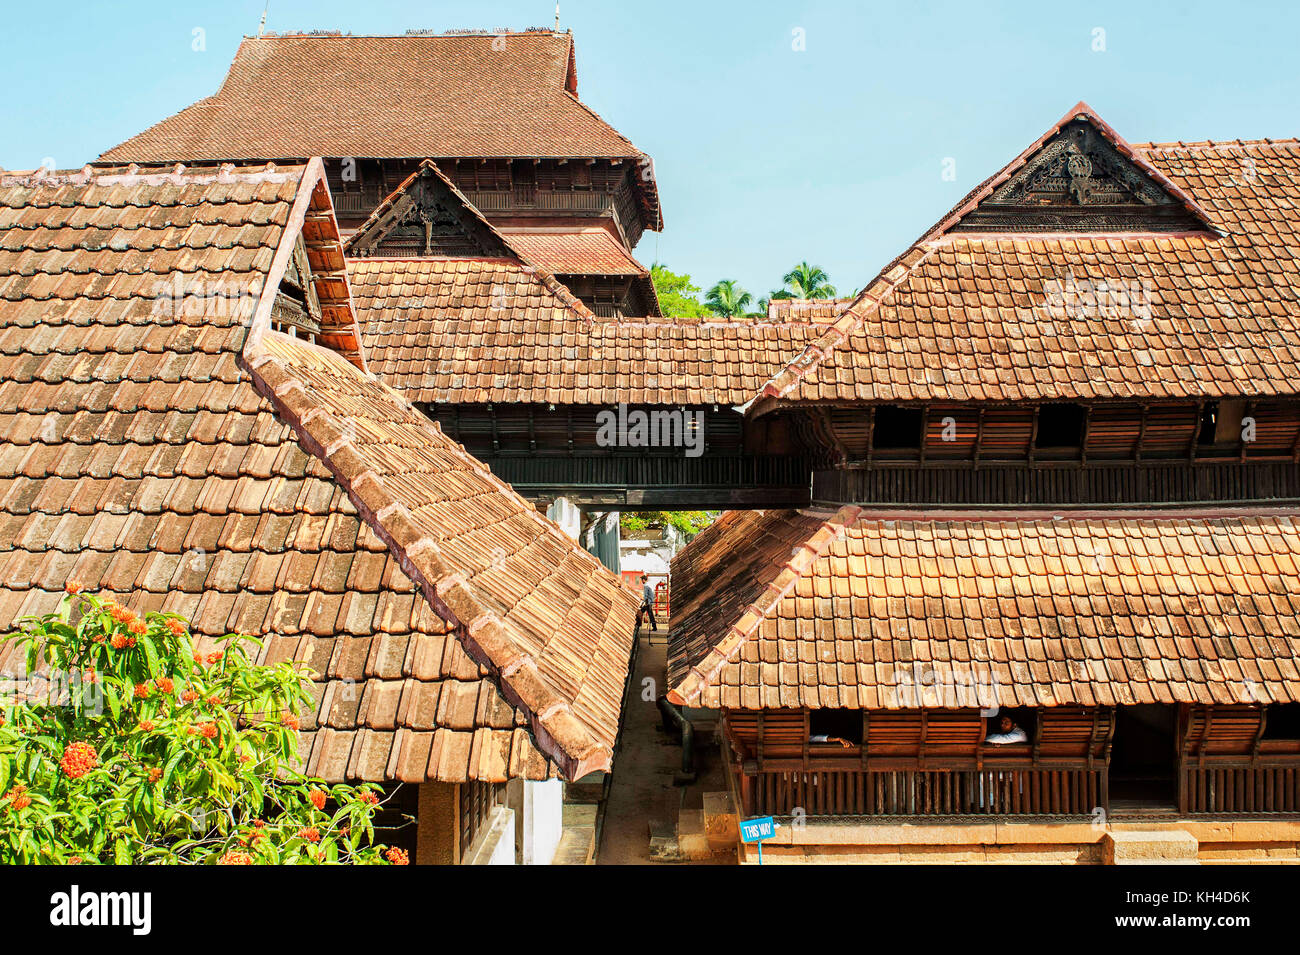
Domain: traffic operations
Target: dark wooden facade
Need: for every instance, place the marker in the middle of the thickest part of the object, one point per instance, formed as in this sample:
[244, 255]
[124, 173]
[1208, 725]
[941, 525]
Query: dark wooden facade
[1223, 760]
[1058, 453]
[547, 451]
[507, 191]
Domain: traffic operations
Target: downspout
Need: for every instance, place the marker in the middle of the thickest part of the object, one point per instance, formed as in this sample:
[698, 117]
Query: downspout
[671, 718]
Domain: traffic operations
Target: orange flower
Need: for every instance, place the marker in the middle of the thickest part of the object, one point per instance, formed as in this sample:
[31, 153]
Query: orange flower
[189, 696]
[235, 858]
[310, 833]
[177, 627]
[18, 798]
[369, 798]
[290, 721]
[155, 774]
[165, 684]
[141, 690]
[213, 700]
[317, 799]
[397, 856]
[121, 641]
[138, 627]
[72, 587]
[214, 656]
[209, 730]
[78, 759]
[146, 725]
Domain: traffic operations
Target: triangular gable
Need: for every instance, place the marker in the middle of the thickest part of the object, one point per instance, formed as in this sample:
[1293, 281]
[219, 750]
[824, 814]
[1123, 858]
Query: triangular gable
[427, 215]
[1080, 176]
[1024, 197]
[427, 194]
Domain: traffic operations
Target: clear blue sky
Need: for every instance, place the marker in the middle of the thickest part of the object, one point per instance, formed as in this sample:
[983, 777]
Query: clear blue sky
[764, 155]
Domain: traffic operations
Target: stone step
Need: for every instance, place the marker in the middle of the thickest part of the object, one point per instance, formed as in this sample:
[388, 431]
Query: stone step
[577, 846]
[1150, 847]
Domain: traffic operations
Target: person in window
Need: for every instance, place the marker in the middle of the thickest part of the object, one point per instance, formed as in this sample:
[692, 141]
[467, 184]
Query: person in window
[824, 738]
[1008, 732]
[647, 605]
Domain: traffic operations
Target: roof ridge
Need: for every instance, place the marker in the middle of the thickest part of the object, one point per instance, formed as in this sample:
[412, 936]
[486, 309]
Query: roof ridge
[803, 556]
[488, 637]
[866, 302]
[178, 174]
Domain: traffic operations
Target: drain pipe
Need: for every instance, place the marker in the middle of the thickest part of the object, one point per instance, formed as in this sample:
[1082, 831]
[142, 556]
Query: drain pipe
[671, 719]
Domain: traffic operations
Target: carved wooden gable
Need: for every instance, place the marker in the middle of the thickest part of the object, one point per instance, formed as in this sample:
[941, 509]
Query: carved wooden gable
[427, 218]
[1078, 181]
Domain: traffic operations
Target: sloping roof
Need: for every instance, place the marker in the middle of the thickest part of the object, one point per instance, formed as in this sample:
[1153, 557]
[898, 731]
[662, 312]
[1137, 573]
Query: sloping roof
[137, 458]
[552, 624]
[806, 309]
[852, 609]
[396, 97]
[1012, 317]
[411, 96]
[489, 330]
[576, 252]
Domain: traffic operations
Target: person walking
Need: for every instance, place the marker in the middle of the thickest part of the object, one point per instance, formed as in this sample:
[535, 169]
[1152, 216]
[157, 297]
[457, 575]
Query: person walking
[647, 605]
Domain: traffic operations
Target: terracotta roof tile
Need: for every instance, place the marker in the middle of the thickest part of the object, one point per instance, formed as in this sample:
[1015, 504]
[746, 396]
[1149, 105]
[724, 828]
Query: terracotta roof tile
[1120, 623]
[1005, 317]
[484, 330]
[550, 623]
[576, 252]
[152, 469]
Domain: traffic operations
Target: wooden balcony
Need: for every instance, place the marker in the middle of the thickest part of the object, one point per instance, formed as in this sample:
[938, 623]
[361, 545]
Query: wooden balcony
[1009, 787]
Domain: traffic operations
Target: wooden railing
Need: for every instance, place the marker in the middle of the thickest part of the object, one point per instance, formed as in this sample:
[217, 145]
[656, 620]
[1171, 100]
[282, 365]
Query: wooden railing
[543, 200]
[1070, 791]
[949, 483]
[1239, 789]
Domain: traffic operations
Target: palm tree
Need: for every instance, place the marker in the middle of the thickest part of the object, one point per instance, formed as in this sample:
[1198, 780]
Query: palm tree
[808, 281]
[728, 299]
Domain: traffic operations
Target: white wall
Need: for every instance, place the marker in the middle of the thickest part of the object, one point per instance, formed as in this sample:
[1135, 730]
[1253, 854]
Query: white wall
[494, 843]
[538, 807]
[565, 513]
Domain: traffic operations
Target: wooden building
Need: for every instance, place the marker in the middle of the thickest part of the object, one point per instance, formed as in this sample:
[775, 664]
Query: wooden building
[1064, 435]
[499, 113]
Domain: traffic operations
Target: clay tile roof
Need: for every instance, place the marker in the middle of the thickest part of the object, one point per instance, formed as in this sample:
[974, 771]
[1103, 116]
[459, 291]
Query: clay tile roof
[490, 330]
[551, 623]
[413, 96]
[137, 458]
[806, 309]
[857, 609]
[1098, 315]
[578, 252]
[409, 96]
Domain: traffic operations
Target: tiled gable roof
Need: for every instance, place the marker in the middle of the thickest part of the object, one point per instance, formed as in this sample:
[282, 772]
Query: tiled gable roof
[853, 609]
[414, 96]
[137, 458]
[1027, 317]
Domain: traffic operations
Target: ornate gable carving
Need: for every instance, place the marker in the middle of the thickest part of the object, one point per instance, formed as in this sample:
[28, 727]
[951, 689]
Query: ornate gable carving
[428, 218]
[1079, 182]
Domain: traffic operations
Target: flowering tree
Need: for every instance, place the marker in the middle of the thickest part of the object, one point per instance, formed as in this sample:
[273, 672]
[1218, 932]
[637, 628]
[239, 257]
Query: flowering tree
[131, 747]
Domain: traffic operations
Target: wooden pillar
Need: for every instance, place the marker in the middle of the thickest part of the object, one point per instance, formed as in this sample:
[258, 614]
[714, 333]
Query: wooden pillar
[438, 825]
